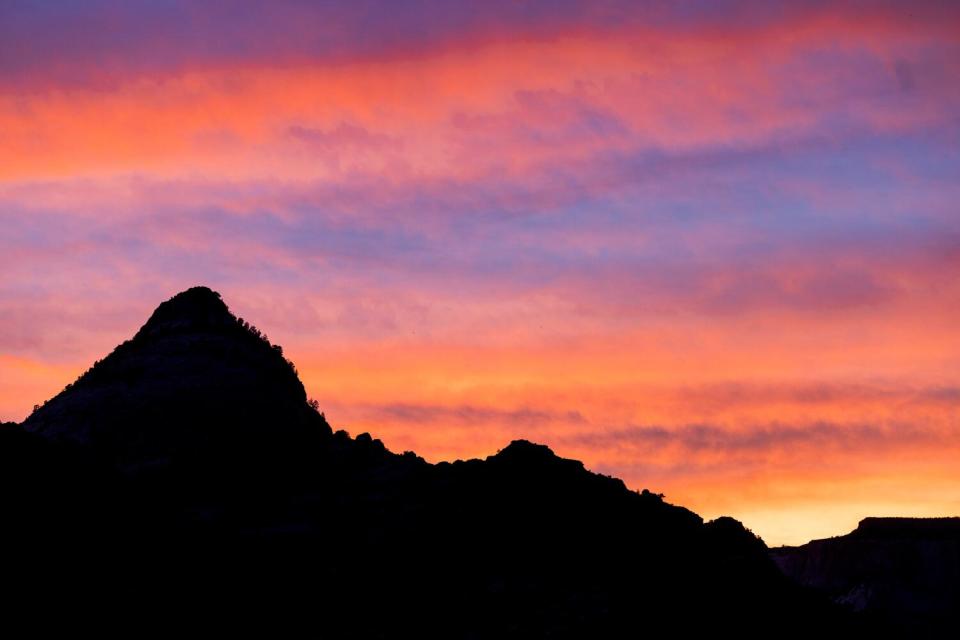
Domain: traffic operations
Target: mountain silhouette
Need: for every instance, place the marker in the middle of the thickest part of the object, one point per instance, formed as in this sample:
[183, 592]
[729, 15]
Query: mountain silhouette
[193, 379]
[903, 571]
[186, 482]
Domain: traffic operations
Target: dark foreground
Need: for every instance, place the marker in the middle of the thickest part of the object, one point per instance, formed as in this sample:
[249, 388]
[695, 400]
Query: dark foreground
[185, 484]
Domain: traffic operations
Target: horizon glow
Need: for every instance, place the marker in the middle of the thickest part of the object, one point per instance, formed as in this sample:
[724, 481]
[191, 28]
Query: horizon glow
[712, 248]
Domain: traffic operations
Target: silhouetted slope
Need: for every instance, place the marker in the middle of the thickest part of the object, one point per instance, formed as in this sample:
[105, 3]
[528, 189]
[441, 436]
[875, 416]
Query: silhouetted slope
[46, 490]
[188, 467]
[193, 379]
[904, 571]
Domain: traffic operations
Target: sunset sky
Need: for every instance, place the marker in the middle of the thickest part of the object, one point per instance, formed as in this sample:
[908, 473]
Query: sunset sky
[712, 248]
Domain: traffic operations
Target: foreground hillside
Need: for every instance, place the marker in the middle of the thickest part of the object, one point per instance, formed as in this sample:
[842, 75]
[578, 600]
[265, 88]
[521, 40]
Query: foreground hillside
[185, 480]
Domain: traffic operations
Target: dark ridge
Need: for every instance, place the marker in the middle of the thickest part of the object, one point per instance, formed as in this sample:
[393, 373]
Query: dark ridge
[187, 478]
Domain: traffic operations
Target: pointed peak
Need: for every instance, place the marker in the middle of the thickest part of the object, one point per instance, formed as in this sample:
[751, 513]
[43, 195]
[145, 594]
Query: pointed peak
[196, 307]
[193, 375]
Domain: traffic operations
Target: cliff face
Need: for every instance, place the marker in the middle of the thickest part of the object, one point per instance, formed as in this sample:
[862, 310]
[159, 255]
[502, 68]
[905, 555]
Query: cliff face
[904, 570]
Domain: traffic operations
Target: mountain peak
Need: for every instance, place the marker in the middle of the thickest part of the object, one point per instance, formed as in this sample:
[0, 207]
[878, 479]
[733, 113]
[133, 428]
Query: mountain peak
[193, 378]
[197, 307]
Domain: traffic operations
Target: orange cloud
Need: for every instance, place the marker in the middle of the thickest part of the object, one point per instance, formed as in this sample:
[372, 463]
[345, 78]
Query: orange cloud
[451, 110]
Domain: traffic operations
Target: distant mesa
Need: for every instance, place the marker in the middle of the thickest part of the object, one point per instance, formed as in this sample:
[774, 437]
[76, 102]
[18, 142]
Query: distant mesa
[907, 528]
[901, 571]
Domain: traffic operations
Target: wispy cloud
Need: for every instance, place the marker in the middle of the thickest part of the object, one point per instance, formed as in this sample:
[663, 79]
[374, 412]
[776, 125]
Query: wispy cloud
[859, 438]
[466, 415]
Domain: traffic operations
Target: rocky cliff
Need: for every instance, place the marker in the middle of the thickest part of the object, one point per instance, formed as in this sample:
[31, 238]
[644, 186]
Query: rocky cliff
[903, 571]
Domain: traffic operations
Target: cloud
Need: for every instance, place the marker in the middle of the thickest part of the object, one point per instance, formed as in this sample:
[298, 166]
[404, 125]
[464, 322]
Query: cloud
[731, 394]
[465, 415]
[94, 42]
[344, 135]
[583, 92]
[766, 439]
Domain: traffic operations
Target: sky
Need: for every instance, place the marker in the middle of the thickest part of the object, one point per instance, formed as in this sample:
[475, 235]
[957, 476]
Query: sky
[712, 248]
